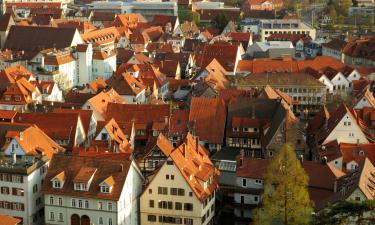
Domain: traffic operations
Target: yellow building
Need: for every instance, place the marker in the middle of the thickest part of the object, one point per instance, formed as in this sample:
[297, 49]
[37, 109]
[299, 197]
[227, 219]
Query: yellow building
[183, 190]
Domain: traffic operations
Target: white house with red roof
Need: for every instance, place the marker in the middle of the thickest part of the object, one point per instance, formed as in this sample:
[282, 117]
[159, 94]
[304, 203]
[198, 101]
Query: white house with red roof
[183, 190]
[27, 152]
[85, 190]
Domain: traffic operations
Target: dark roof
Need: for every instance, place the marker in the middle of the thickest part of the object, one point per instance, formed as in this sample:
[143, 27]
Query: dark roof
[33, 39]
[335, 44]
[4, 21]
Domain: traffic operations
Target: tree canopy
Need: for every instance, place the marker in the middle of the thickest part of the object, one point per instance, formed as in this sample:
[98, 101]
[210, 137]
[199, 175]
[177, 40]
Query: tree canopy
[285, 199]
[347, 212]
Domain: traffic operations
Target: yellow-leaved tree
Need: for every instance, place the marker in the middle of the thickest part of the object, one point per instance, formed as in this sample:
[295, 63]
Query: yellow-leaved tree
[285, 199]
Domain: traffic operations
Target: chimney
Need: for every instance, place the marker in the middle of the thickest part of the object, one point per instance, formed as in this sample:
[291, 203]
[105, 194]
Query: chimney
[14, 155]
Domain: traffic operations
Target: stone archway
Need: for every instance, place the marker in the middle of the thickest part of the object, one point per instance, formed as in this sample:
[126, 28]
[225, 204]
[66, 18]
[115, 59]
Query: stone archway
[75, 220]
[85, 220]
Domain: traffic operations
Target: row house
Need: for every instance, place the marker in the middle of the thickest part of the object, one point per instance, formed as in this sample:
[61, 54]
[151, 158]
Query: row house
[193, 200]
[345, 156]
[91, 190]
[343, 125]
[337, 82]
[26, 154]
[260, 126]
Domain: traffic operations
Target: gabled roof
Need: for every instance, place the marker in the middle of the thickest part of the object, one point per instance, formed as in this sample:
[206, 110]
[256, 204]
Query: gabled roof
[195, 166]
[335, 44]
[58, 126]
[357, 152]
[33, 39]
[9, 220]
[366, 181]
[164, 145]
[100, 101]
[224, 53]
[207, 119]
[125, 84]
[363, 47]
[34, 141]
[72, 165]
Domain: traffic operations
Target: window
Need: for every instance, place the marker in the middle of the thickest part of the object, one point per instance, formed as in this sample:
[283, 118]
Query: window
[256, 199]
[243, 182]
[51, 200]
[18, 191]
[178, 206]
[188, 207]
[150, 191]
[188, 221]
[73, 203]
[190, 194]
[151, 218]
[109, 206]
[60, 201]
[52, 216]
[80, 204]
[56, 184]
[35, 188]
[173, 191]
[110, 221]
[258, 181]
[172, 177]
[61, 217]
[100, 221]
[17, 98]
[100, 205]
[358, 198]
[167, 177]
[37, 201]
[163, 190]
[181, 192]
[86, 204]
[105, 189]
[151, 203]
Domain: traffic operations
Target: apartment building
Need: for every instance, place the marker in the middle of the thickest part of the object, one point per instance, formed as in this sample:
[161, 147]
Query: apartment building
[308, 94]
[285, 26]
[183, 190]
[89, 190]
[23, 167]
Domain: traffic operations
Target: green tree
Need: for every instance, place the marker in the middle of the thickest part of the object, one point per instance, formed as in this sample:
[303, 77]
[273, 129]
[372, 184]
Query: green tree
[220, 21]
[347, 212]
[285, 200]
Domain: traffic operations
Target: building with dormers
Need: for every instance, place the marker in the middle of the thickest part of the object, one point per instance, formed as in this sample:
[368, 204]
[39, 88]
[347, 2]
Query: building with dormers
[92, 190]
[183, 189]
[26, 152]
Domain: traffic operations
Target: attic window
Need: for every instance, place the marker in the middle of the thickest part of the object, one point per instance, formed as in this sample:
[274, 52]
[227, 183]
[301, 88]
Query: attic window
[56, 184]
[105, 189]
[17, 98]
[361, 153]
[7, 98]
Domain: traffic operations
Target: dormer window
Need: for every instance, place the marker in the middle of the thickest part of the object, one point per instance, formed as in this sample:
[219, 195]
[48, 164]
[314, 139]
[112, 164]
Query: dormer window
[17, 98]
[83, 179]
[56, 184]
[105, 189]
[236, 129]
[106, 185]
[58, 180]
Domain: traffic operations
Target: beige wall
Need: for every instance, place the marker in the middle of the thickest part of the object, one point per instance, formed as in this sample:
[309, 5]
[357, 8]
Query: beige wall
[179, 182]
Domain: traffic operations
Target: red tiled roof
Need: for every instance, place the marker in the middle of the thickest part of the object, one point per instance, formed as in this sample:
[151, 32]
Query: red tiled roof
[196, 167]
[207, 119]
[9, 220]
[116, 167]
